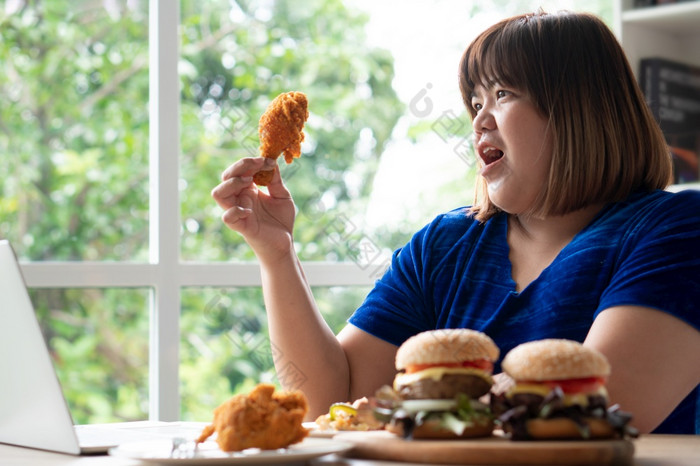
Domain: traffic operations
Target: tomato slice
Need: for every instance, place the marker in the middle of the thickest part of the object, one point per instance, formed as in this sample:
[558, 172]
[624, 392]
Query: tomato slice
[483, 364]
[573, 386]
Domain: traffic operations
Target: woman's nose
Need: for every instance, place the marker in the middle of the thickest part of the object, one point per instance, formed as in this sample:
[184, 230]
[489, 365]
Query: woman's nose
[484, 121]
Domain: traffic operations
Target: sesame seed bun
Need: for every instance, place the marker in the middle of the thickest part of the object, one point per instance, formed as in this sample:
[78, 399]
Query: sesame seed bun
[446, 346]
[554, 359]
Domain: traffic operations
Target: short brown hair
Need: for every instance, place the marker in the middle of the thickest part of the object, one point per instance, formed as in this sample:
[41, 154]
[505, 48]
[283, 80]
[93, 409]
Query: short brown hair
[606, 141]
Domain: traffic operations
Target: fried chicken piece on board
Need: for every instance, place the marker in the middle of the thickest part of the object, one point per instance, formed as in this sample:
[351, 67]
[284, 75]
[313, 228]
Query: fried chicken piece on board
[262, 419]
[281, 130]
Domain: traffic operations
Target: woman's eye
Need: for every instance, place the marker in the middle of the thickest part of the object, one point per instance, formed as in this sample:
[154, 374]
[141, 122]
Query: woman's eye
[477, 106]
[502, 93]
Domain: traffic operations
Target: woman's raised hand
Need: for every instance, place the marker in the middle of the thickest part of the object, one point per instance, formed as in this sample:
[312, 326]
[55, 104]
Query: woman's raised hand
[265, 219]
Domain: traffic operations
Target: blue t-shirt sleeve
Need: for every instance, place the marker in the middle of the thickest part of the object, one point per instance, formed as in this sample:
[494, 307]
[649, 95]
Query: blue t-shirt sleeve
[395, 308]
[659, 262]
[400, 305]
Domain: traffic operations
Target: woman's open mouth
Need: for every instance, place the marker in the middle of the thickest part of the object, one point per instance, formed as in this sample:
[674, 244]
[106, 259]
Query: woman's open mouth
[490, 154]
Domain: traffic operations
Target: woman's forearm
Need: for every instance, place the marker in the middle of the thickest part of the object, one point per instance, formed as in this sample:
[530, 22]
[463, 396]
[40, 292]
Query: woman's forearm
[306, 353]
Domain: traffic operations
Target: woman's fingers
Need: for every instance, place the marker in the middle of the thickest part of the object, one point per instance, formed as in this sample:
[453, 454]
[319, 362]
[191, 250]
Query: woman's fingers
[235, 214]
[248, 166]
[239, 176]
[237, 205]
[227, 192]
[242, 200]
[276, 188]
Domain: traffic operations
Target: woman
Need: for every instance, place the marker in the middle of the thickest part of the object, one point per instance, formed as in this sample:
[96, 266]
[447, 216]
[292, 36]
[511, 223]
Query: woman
[571, 235]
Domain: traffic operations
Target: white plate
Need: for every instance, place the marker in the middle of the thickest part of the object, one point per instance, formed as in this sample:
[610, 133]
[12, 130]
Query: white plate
[209, 453]
[316, 432]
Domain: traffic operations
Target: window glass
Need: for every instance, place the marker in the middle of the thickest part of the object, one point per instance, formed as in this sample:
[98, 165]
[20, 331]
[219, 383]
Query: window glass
[98, 340]
[74, 129]
[225, 348]
[236, 57]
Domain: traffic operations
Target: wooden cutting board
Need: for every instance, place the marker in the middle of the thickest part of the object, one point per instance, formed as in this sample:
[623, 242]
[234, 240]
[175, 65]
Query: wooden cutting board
[382, 445]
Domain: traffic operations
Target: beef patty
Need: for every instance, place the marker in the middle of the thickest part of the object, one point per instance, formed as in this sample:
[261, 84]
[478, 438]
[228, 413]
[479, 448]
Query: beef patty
[449, 386]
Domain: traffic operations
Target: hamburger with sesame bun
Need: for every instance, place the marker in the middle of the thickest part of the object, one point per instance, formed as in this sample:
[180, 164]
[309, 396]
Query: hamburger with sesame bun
[441, 376]
[559, 393]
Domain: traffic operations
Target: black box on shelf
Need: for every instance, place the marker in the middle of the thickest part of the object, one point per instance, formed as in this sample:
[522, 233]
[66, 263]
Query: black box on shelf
[672, 91]
[643, 3]
[647, 3]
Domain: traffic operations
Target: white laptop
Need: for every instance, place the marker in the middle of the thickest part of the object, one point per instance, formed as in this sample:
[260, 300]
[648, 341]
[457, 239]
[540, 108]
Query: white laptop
[33, 410]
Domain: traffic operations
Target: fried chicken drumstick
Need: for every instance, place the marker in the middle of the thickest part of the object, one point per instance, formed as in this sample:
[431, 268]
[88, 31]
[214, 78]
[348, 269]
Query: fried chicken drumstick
[281, 130]
[262, 419]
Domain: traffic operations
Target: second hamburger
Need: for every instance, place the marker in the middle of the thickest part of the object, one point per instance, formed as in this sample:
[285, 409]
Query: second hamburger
[559, 393]
[441, 376]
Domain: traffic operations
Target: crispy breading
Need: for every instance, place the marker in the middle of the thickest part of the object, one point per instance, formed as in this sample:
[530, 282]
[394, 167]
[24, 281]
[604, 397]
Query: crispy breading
[262, 419]
[281, 130]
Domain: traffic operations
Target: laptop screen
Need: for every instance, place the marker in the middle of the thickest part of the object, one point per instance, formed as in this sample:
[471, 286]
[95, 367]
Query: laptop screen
[33, 411]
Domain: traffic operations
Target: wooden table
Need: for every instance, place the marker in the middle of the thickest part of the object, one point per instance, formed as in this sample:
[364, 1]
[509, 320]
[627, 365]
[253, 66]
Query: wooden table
[650, 450]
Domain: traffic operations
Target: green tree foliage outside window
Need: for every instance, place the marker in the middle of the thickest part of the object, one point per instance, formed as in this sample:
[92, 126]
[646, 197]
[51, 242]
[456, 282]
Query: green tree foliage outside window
[74, 133]
[234, 60]
[74, 154]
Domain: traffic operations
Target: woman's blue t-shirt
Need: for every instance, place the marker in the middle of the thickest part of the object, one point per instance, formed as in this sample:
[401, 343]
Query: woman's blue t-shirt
[455, 273]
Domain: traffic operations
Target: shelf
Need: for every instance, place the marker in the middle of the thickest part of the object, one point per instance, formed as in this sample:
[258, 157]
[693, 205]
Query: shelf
[672, 18]
[670, 31]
